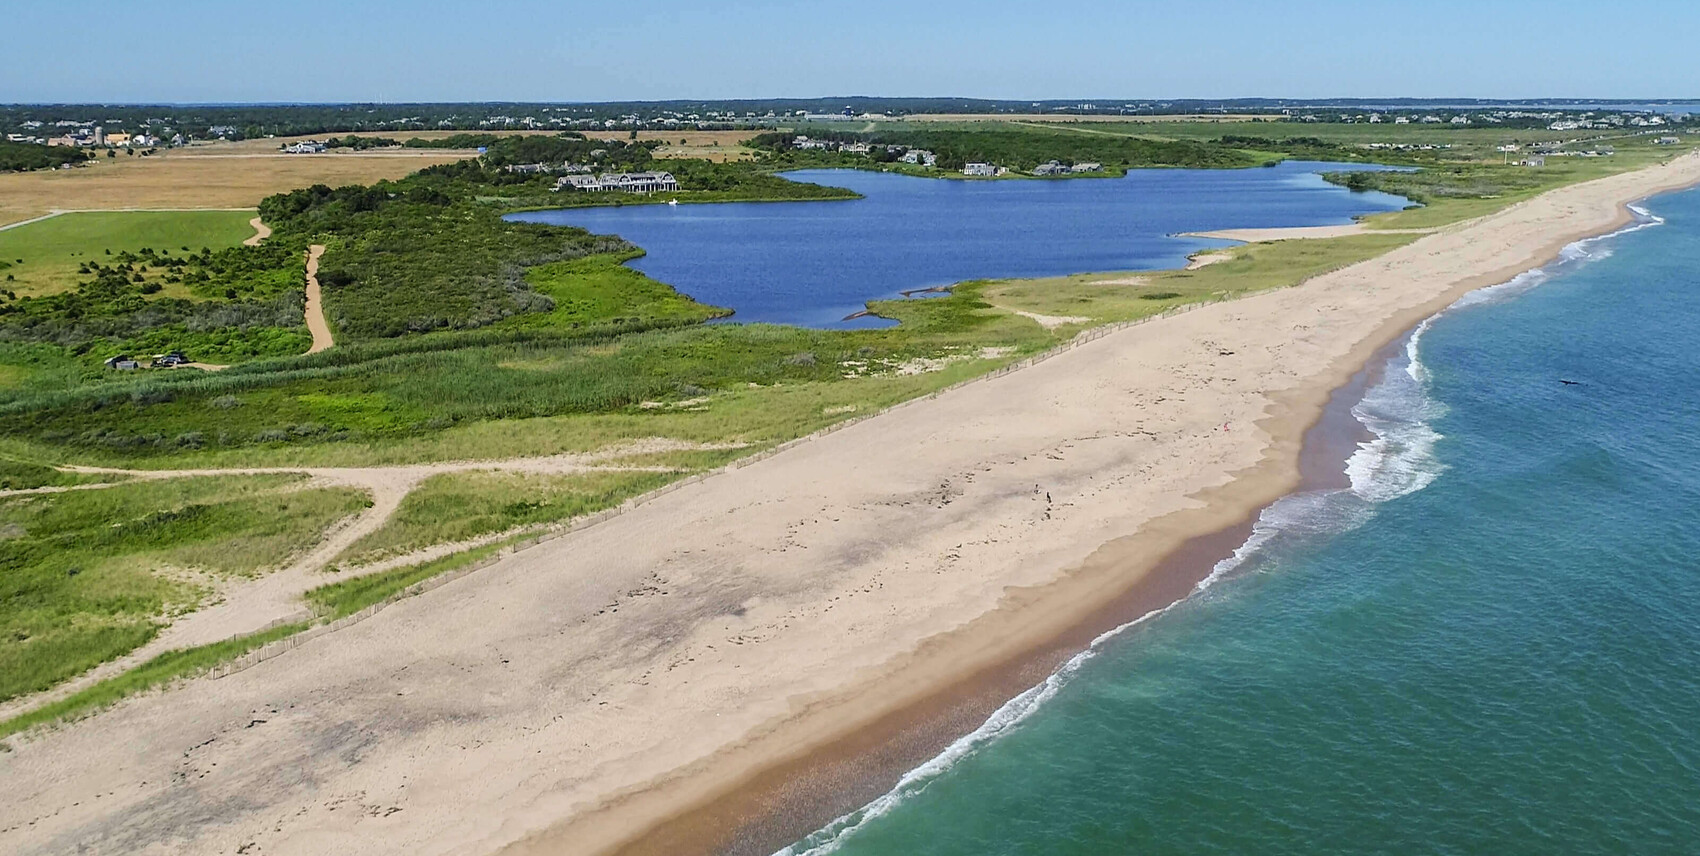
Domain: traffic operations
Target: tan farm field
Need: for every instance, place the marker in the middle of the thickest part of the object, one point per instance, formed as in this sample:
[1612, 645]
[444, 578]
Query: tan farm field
[685, 143]
[219, 175]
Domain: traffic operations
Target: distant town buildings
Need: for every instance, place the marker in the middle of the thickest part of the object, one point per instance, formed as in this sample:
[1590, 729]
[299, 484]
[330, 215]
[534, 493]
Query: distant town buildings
[622, 182]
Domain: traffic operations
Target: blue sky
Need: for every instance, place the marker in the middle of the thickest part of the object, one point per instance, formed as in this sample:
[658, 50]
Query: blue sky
[379, 50]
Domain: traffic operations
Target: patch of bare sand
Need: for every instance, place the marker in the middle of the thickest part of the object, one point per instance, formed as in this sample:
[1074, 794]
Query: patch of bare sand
[1208, 257]
[1051, 322]
[570, 695]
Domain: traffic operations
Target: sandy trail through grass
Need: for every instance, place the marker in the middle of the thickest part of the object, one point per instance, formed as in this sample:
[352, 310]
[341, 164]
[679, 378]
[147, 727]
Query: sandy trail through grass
[250, 605]
[261, 232]
[316, 304]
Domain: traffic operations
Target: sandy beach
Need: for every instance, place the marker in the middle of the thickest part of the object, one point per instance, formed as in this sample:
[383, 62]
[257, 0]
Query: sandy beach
[778, 628]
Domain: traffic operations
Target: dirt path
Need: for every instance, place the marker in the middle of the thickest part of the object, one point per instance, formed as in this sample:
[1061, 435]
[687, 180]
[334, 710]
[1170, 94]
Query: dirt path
[315, 303]
[261, 232]
[249, 605]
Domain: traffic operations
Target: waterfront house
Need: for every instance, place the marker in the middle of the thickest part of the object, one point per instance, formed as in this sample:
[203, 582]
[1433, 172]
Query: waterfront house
[979, 169]
[1051, 168]
[919, 156]
[624, 182]
[1087, 166]
[579, 182]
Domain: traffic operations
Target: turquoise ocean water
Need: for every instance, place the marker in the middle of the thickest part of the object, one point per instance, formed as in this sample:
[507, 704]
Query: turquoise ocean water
[1489, 644]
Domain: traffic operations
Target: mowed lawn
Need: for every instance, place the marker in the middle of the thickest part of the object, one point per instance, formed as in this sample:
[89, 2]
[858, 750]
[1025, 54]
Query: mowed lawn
[42, 257]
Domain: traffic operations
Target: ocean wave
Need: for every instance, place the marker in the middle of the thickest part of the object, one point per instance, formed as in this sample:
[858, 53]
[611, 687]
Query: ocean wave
[1398, 460]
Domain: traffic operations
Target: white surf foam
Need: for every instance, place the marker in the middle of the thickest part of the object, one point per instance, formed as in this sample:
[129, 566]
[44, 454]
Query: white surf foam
[1397, 461]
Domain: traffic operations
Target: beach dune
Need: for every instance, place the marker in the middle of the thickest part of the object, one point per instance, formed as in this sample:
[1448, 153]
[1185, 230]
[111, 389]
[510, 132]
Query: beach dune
[575, 693]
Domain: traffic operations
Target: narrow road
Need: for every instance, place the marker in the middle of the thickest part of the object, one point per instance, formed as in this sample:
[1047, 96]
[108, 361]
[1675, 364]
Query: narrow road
[261, 232]
[315, 303]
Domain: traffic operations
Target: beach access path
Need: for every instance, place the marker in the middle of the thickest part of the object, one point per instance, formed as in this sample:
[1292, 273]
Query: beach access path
[315, 311]
[561, 699]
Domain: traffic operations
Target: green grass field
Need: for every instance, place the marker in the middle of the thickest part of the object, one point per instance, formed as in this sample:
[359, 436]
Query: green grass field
[45, 255]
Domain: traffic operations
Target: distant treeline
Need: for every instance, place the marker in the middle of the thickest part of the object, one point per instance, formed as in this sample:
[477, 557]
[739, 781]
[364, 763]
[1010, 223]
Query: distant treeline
[18, 157]
[454, 141]
[1017, 149]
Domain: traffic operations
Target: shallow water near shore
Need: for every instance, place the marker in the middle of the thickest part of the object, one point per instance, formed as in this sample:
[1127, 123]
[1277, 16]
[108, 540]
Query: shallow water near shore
[815, 263]
[1489, 642]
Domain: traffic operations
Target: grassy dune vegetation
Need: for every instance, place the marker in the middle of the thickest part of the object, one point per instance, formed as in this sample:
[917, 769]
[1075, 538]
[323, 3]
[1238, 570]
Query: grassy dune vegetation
[87, 575]
[156, 672]
[458, 506]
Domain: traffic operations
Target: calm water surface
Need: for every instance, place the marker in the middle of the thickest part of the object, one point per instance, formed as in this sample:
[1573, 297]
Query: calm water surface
[1489, 644]
[814, 263]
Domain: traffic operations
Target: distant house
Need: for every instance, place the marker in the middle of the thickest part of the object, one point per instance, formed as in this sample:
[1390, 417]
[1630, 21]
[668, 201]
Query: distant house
[1668, 141]
[1533, 160]
[624, 182]
[919, 156]
[306, 147]
[979, 169]
[1086, 166]
[579, 182]
[1051, 168]
[123, 362]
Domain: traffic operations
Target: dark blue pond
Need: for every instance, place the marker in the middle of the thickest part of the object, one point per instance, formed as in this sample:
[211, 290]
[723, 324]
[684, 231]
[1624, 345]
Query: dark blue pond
[813, 263]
